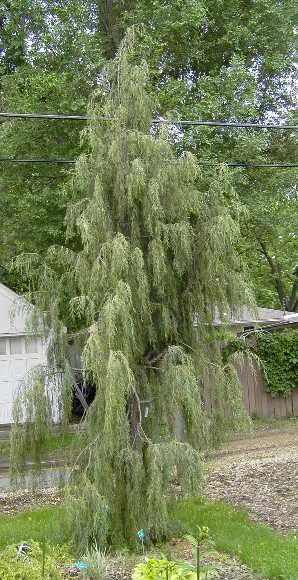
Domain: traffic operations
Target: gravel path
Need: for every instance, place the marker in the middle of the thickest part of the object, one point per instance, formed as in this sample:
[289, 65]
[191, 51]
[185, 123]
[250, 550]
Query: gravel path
[261, 475]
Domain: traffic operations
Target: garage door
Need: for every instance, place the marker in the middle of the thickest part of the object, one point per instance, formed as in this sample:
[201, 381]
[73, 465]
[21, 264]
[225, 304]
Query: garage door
[17, 356]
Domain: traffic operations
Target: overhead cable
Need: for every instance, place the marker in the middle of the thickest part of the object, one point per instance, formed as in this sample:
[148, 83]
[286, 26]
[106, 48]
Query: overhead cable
[244, 164]
[55, 161]
[158, 121]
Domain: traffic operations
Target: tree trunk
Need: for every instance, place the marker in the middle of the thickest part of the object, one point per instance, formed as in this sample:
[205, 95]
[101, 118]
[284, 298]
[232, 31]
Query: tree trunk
[288, 303]
[135, 422]
[107, 22]
[275, 270]
[292, 304]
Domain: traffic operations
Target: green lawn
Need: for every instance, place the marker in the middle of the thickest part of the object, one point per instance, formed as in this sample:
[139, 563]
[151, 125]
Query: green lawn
[4, 448]
[263, 550]
[268, 553]
[59, 442]
[36, 525]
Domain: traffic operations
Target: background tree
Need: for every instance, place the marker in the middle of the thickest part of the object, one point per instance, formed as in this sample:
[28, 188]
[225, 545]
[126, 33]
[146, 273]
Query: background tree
[61, 57]
[156, 252]
[270, 227]
[206, 60]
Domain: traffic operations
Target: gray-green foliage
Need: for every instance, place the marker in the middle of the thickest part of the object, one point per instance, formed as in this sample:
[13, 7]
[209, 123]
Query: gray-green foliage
[157, 252]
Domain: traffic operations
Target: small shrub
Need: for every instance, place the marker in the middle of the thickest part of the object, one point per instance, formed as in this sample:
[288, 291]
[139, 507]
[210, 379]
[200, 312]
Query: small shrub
[163, 569]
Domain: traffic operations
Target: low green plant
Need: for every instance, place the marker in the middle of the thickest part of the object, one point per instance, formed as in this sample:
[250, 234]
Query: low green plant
[201, 534]
[35, 524]
[163, 569]
[34, 564]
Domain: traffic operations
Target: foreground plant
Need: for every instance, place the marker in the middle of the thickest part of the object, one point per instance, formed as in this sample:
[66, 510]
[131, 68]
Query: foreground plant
[163, 569]
[95, 563]
[150, 256]
[201, 535]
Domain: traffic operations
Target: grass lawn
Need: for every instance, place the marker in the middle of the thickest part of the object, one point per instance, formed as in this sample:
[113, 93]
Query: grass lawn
[36, 525]
[262, 549]
[59, 442]
[4, 448]
[282, 424]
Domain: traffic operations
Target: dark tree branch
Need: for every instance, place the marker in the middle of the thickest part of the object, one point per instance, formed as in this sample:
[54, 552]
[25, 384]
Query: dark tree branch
[292, 303]
[289, 303]
[275, 270]
[153, 357]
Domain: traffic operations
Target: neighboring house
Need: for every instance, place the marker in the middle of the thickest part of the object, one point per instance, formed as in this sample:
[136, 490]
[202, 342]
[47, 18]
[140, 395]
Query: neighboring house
[245, 319]
[246, 323]
[20, 350]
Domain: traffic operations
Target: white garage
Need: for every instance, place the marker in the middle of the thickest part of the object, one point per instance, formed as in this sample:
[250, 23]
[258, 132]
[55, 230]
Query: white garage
[20, 351]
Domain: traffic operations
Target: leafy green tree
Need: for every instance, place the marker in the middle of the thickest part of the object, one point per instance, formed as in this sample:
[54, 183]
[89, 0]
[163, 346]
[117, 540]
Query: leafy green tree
[270, 227]
[156, 256]
[61, 57]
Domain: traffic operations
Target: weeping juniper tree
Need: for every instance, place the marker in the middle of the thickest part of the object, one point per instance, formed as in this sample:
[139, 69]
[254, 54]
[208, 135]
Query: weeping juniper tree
[153, 257]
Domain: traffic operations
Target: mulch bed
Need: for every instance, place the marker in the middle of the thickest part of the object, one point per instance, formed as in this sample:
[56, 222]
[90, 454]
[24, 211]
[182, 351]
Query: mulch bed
[14, 502]
[266, 484]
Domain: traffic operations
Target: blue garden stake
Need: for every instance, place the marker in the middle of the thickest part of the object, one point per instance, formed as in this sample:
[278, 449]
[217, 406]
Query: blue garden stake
[81, 565]
[141, 536]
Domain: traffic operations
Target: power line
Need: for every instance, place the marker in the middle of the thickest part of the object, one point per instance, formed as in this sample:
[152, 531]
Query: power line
[248, 165]
[244, 164]
[181, 122]
[186, 122]
[54, 161]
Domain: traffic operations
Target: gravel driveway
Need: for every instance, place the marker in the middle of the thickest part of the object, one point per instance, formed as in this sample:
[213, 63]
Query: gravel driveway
[260, 474]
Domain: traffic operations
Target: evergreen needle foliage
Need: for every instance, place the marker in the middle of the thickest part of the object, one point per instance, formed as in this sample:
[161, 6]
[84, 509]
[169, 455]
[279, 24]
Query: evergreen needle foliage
[153, 251]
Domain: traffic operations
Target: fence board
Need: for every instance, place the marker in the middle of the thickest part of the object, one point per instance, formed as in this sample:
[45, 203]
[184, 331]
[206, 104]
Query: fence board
[258, 401]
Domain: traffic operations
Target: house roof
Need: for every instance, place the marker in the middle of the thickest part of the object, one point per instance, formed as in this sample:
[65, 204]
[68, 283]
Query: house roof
[14, 312]
[246, 316]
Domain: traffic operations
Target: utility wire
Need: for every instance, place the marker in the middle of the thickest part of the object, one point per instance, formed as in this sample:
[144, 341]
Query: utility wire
[244, 164]
[55, 161]
[184, 122]
[248, 165]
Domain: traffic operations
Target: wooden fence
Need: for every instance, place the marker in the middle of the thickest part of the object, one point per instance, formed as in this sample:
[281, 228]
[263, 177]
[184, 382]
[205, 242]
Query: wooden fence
[260, 403]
